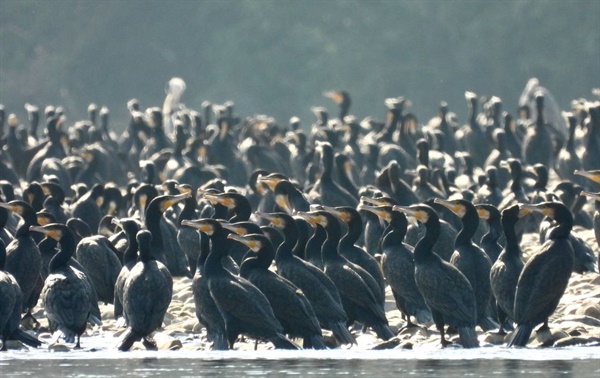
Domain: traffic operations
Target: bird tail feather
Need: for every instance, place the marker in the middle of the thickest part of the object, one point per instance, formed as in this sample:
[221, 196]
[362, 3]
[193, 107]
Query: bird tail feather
[282, 342]
[521, 336]
[129, 337]
[468, 337]
[341, 333]
[26, 338]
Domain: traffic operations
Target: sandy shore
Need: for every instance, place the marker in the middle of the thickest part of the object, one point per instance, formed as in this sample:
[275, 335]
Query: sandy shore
[575, 322]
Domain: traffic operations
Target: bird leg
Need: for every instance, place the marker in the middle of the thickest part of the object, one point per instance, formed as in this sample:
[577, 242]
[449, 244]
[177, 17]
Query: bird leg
[544, 327]
[149, 343]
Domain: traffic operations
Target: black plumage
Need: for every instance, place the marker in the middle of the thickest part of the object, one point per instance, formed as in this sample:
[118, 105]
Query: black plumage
[147, 294]
[447, 292]
[545, 275]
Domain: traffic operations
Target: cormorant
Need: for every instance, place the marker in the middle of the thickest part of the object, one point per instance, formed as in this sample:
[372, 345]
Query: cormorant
[290, 306]
[207, 312]
[447, 292]
[87, 207]
[146, 295]
[545, 275]
[68, 297]
[326, 190]
[350, 250]
[23, 257]
[244, 307]
[489, 242]
[507, 268]
[314, 283]
[397, 262]
[537, 144]
[164, 250]
[358, 290]
[100, 262]
[471, 260]
[10, 311]
[131, 227]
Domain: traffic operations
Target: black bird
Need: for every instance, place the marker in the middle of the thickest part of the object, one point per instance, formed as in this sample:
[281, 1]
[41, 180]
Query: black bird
[68, 297]
[506, 270]
[243, 307]
[87, 207]
[397, 262]
[163, 250]
[131, 227]
[100, 261]
[314, 283]
[207, 312]
[326, 190]
[490, 192]
[537, 144]
[489, 242]
[347, 246]
[471, 260]
[567, 161]
[289, 198]
[10, 311]
[545, 275]
[187, 238]
[358, 290]
[290, 306]
[589, 159]
[146, 295]
[447, 292]
[23, 258]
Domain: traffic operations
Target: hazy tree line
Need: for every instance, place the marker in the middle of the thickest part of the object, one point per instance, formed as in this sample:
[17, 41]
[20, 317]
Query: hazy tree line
[277, 57]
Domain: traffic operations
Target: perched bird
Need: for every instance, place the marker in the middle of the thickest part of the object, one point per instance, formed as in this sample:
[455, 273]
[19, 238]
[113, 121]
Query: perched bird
[314, 283]
[397, 262]
[447, 292]
[147, 294]
[10, 311]
[505, 272]
[244, 307]
[471, 260]
[68, 297]
[290, 306]
[545, 275]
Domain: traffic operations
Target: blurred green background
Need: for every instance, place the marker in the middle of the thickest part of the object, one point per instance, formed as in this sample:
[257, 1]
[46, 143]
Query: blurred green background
[277, 57]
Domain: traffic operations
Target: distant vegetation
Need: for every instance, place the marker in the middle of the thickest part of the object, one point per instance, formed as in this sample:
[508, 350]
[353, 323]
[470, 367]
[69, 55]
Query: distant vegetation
[277, 57]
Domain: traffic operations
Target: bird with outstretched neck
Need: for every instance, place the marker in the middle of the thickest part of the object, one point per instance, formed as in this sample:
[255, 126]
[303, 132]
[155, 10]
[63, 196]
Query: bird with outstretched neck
[244, 308]
[147, 294]
[447, 292]
[546, 274]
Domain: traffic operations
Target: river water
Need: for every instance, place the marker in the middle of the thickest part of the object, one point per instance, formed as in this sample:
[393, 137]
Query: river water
[483, 362]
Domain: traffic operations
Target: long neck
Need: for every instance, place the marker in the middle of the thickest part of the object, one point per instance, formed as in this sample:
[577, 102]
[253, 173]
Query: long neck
[355, 228]
[242, 212]
[265, 257]
[291, 238]
[132, 248]
[314, 244]
[493, 234]
[152, 221]
[330, 246]
[562, 230]
[189, 210]
[470, 222]
[67, 248]
[204, 252]
[213, 264]
[423, 249]
[397, 230]
[511, 247]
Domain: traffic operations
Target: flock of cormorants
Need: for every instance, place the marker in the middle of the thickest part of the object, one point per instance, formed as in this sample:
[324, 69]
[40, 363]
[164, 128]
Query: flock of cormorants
[286, 232]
